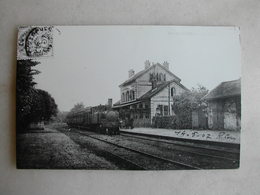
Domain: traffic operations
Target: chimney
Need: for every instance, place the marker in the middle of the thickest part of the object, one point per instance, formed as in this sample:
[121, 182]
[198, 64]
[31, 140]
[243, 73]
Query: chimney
[131, 72]
[166, 65]
[147, 64]
[109, 102]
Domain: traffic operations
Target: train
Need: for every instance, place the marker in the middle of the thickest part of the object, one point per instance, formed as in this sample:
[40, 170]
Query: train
[101, 119]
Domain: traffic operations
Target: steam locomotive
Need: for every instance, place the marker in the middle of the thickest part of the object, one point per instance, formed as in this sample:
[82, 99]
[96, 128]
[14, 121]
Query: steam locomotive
[101, 119]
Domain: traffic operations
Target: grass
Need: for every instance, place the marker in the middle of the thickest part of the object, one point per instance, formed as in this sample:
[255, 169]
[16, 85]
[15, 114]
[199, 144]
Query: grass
[51, 149]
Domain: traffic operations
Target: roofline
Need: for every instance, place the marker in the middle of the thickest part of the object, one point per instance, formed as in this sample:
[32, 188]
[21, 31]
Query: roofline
[178, 83]
[169, 71]
[127, 103]
[146, 70]
[221, 97]
[181, 85]
[205, 97]
[168, 82]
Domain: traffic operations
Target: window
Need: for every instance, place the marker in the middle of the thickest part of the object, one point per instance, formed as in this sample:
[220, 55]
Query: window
[133, 95]
[164, 77]
[172, 91]
[123, 97]
[151, 77]
[127, 96]
[130, 95]
[147, 115]
[165, 109]
[159, 110]
[161, 77]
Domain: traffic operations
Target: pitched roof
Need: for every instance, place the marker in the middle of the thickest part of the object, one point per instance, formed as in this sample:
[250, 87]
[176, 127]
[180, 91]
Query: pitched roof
[159, 88]
[154, 91]
[149, 94]
[225, 89]
[137, 75]
[119, 104]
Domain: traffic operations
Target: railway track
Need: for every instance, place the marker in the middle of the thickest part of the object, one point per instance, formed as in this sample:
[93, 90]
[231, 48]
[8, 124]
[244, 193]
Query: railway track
[151, 158]
[207, 150]
[129, 164]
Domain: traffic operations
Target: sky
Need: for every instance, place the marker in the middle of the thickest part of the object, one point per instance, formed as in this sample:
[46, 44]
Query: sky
[90, 62]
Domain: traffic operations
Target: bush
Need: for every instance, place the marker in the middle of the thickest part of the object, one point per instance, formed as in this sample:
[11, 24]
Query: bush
[169, 122]
[183, 105]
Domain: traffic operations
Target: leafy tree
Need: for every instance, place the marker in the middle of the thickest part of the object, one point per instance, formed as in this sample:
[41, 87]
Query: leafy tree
[77, 107]
[32, 105]
[184, 104]
[61, 116]
[196, 96]
[25, 91]
[43, 106]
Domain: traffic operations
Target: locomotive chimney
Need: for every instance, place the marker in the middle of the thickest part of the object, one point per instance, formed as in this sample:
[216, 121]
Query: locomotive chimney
[110, 102]
[131, 73]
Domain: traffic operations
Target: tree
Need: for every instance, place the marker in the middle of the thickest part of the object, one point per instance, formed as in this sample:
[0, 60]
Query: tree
[61, 116]
[32, 105]
[184, 104]
[77, 107]
[43, 106]
[197, 94]
[25, 91]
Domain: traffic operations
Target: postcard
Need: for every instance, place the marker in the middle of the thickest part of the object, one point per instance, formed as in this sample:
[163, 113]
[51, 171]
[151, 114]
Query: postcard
[128, 97]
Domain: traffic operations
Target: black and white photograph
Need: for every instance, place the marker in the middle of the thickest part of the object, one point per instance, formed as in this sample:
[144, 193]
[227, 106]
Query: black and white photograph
[128, 97]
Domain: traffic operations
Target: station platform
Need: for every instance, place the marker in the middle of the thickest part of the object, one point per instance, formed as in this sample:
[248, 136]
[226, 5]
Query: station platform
[214, 136]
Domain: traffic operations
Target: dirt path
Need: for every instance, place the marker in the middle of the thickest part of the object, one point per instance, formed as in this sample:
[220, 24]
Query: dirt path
[52, 149]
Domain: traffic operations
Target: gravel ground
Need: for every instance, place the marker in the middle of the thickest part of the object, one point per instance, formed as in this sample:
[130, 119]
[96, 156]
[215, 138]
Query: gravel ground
[104, 150]
[67, 148]
[169, 151]
[173, 152]
[50, 148]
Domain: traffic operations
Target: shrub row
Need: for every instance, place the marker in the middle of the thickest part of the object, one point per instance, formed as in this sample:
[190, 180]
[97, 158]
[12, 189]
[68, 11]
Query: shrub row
[172, 122]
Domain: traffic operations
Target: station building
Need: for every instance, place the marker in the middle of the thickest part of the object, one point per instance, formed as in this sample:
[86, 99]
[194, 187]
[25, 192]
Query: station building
[148, 93]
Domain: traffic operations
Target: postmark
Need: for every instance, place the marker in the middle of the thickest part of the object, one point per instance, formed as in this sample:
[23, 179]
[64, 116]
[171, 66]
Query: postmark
[34, 42]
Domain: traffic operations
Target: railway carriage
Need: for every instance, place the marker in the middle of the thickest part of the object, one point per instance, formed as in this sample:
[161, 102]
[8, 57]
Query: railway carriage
[101, 119]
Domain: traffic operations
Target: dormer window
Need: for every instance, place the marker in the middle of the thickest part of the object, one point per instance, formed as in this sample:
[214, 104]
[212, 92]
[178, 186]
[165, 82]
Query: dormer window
[160, 77]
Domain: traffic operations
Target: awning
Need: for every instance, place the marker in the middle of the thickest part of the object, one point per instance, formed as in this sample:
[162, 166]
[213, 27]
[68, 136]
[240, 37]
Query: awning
[126, 104]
